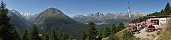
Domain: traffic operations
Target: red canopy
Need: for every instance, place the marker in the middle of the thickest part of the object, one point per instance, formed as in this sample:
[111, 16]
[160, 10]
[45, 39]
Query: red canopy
[131, 24]
[150, 23]
[140, 23]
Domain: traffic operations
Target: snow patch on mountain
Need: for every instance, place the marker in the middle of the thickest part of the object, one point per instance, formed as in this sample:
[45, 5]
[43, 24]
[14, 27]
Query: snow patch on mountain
[29, 15]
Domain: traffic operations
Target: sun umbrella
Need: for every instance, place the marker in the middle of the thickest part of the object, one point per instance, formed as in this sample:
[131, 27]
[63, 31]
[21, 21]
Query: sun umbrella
[131, 24]
[150, 23]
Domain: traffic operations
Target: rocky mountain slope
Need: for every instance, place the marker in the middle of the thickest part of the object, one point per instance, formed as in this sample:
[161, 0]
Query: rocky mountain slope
[53, 19]
[18, 21]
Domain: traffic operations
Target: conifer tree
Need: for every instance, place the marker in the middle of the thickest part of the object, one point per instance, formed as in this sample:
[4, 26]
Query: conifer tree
[64, 36]
[106, 32]
[67, 36]
[100, 32]
[24, 36]
[34, 35]
[53, 36]
[114, 28]
[167, 9]
[91, 31]
[60, 36]
[162, 11]
[84, 36]
[45, 37]
[121, 26]
[14, 34]
[7, 31]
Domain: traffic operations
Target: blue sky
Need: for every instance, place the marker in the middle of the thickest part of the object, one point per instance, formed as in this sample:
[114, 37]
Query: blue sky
[84, 7]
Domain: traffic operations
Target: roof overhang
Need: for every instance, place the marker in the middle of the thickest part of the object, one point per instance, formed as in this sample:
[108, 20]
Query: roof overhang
[162, 16]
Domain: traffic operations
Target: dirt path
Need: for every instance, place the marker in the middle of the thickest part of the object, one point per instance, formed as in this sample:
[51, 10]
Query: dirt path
[146, 35]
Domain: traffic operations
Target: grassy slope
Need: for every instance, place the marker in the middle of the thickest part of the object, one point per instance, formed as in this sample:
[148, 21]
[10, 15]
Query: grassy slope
[166, 33]
[120, 34]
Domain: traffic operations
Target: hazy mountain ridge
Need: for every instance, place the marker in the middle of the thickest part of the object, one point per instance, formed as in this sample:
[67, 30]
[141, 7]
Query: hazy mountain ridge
[109, 18]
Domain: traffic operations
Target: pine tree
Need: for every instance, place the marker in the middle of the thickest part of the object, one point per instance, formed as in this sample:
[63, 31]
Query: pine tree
[91, 31]
[24, 36]
[34, 35]
[64, 36]
[162, 11]
[114, 28]
[106, 32]
[167, 9]
[121, 26]
[60, 36]
[53, 36]
[45, 37]
[67, 36]
[100, 32]
[15, 34]
[7, 31]
[84, 36]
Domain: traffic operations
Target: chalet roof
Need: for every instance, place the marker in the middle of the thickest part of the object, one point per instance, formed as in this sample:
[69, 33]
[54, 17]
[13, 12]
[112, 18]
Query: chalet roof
[162, 16]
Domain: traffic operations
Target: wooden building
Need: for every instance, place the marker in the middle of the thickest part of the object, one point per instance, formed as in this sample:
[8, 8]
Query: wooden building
[159, 20]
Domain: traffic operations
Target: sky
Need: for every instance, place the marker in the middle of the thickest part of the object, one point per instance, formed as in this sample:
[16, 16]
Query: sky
[84, 7]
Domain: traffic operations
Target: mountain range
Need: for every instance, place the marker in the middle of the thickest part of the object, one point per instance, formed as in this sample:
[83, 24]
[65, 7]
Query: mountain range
[46, 21]
[109, 18]
[54, 19]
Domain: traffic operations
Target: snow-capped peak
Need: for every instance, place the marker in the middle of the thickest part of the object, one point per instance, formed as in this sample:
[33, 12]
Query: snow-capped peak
[28, 15]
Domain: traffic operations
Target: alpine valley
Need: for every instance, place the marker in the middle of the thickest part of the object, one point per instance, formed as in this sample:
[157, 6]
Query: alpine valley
[54, 19]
